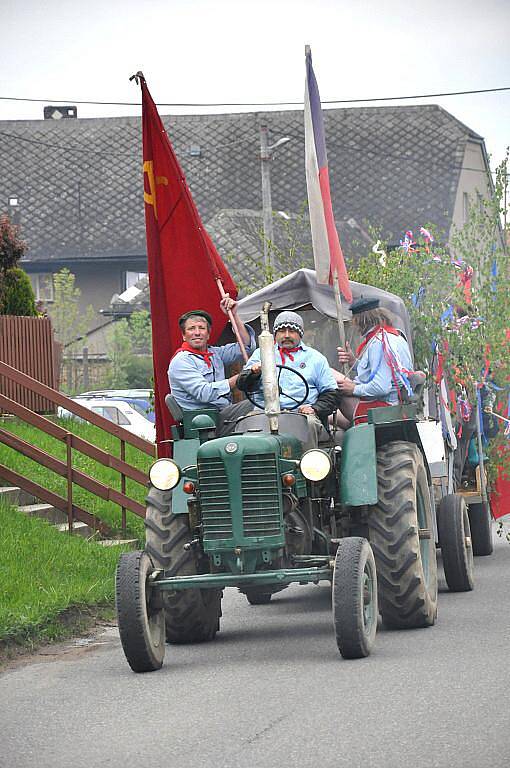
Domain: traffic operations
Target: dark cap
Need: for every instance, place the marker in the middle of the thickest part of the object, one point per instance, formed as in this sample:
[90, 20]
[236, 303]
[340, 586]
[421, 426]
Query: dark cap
[193, 313]
[363, 305]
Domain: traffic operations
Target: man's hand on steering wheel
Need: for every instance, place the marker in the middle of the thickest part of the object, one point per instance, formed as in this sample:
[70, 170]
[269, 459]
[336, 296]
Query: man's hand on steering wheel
[256, 371]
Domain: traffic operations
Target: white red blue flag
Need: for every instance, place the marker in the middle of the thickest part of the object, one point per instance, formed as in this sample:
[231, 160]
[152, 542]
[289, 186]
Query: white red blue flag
[327, 252]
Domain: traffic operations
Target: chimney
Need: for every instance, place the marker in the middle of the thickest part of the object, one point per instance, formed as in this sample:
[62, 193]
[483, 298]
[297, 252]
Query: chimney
[60, 113]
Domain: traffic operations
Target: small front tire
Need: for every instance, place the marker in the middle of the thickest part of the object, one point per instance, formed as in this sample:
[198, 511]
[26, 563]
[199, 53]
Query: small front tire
[355, 606]
[140, 614]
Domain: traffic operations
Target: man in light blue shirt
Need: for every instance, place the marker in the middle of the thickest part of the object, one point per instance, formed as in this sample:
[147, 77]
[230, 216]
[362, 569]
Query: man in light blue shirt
[322, 397]
[197, 371]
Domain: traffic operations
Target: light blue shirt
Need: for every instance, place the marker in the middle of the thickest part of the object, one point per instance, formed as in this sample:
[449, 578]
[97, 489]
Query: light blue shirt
[312, 365]
[374, 378]
[195, 385]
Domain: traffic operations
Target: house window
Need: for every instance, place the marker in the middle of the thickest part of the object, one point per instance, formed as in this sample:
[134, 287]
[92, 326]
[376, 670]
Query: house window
[465, 207]
[131, 278]
[42, 283]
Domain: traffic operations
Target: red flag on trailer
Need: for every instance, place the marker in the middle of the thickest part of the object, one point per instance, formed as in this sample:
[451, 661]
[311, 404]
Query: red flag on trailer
[327, 252]
[183, 263]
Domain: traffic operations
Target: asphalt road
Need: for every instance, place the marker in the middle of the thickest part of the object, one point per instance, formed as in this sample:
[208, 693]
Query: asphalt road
[272, 690]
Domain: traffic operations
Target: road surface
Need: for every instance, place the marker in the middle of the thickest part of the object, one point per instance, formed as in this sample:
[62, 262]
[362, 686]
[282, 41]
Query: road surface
[273, 691]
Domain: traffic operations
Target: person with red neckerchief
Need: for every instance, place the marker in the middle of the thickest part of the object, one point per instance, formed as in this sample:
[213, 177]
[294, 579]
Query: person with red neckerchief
[197, 370]
[381, 363]
[321, 400]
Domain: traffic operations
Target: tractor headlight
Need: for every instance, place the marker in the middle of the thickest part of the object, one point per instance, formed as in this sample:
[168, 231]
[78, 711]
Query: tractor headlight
[164, 474]
[315, 465]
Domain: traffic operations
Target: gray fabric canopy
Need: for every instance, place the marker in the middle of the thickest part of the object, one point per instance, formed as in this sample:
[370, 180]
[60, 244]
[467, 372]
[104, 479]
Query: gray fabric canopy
[300, 289]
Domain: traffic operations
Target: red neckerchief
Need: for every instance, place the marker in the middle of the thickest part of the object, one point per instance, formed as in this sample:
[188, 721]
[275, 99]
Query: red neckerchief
[289, 352]
[185, 347]
[374, 332]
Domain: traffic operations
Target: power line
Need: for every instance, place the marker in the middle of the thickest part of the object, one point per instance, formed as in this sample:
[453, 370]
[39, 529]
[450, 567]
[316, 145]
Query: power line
[259, 103]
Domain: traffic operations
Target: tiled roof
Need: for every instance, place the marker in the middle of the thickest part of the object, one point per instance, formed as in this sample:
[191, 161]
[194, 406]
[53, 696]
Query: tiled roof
[79, 182]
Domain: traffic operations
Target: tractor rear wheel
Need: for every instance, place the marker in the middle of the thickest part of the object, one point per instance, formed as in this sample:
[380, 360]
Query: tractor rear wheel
[402, 538]
[140, 613]
[192, 615]
[481, 529]
[455, 543]
[354, 598]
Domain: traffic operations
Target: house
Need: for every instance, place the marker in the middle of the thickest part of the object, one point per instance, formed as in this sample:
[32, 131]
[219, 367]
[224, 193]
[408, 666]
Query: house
[75, 187]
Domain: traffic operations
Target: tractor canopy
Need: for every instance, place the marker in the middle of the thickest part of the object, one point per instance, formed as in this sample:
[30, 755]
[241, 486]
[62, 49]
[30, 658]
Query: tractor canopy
[316, 303]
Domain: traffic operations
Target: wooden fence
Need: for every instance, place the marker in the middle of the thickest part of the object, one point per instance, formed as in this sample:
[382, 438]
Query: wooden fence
[27, 344]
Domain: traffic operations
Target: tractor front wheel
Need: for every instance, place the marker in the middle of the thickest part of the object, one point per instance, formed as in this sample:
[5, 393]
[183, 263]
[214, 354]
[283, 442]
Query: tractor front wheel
[402, 537]
[354, 598]
[192, 615]
[140, 613]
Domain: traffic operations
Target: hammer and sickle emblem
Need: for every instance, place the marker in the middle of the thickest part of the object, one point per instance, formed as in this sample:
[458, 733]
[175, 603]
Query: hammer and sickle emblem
[150, 197]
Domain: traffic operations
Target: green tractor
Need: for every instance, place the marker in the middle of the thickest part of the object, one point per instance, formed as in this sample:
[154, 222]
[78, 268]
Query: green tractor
[256, 511]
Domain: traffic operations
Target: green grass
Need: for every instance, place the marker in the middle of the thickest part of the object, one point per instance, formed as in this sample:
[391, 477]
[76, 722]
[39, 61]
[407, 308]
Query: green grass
[47, 579]
[107, 511]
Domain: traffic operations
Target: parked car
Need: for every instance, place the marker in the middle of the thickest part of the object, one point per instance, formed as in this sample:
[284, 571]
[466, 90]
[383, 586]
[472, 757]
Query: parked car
[140, 399]
[119, 412]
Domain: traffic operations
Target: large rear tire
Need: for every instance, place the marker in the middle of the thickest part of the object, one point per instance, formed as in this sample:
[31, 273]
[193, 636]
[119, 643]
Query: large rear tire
[140, 613]
[192, 615]
[481, 529]
[402, 538]
[354, 598]
[455, 543]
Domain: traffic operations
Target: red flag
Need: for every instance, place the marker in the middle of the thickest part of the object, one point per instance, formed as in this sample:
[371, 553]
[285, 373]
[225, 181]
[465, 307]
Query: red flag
[182, 260]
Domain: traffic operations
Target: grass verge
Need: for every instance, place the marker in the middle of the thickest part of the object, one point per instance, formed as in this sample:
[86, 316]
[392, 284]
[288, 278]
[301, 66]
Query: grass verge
[51, 584]
[107, 511]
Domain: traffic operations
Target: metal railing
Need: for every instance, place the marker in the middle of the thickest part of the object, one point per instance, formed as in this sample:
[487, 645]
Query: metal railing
[72, 442]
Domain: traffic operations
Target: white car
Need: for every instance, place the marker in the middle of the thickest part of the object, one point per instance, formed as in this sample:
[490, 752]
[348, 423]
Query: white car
[118, 412]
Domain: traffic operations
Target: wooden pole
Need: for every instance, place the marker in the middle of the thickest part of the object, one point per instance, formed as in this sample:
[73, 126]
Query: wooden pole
[339, 316]
[233, 322]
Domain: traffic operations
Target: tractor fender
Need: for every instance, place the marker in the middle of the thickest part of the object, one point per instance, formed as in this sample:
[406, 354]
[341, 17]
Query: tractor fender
[358, 476]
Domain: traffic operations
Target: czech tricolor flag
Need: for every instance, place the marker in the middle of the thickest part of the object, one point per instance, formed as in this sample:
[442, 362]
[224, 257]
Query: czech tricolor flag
[327, 253]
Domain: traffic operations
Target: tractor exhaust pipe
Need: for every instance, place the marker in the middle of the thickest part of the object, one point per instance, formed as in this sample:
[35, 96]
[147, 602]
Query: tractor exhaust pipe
[269, 378]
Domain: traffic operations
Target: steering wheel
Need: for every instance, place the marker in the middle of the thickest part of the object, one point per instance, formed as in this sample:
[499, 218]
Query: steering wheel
[281, 392]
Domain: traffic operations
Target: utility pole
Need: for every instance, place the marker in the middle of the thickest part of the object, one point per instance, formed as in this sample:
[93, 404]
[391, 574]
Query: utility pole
[267, 208]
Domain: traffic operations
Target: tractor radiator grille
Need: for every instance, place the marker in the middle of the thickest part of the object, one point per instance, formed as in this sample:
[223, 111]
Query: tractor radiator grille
[214, 499]
[260, 496]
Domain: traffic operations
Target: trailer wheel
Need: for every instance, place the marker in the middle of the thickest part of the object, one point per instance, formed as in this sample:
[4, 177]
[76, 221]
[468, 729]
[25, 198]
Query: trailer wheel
[402, 538]
[481, 529]
[455, 542]
[140, 613]
[192, 615]
[354, 598]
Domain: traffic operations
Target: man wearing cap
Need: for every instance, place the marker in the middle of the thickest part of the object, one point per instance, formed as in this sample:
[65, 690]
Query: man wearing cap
[289, 350]
[380, 360]
[197, 371]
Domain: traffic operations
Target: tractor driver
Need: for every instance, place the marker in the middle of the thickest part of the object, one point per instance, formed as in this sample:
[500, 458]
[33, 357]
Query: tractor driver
[197, 371]
[290, 351]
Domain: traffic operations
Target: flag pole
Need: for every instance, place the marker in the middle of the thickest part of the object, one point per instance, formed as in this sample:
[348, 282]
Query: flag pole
[339, 315]
[233, 322]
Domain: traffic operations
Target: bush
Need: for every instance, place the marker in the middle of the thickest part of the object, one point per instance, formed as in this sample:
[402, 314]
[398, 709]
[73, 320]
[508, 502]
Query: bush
[139, 372]
[18, 296]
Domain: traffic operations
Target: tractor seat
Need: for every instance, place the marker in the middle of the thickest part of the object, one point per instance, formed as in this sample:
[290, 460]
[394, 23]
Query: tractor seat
[174, 408]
